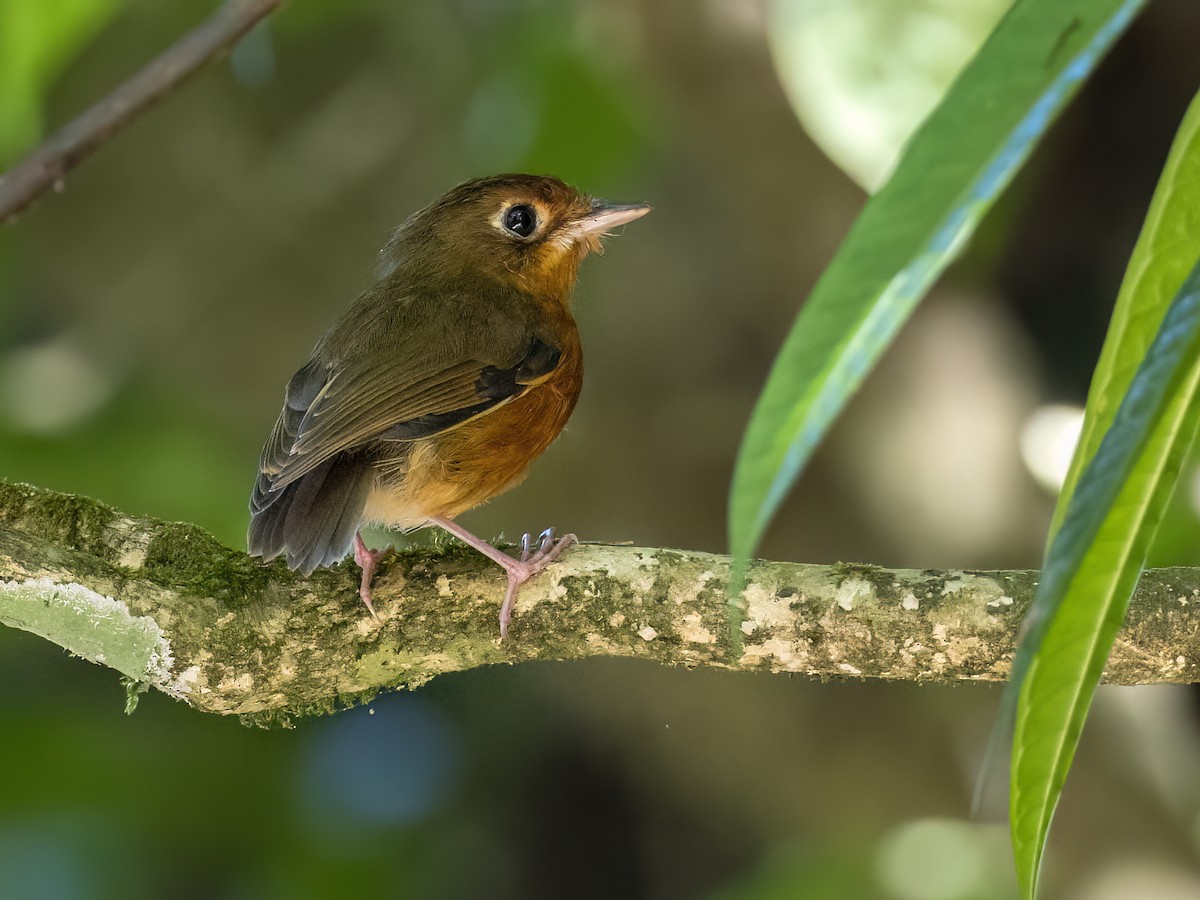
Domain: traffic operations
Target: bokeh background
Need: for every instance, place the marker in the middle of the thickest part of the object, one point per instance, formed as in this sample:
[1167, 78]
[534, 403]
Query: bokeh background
[151, 313]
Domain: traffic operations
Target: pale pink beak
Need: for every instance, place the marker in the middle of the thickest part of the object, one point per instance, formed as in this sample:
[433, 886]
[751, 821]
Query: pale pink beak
[606, 216]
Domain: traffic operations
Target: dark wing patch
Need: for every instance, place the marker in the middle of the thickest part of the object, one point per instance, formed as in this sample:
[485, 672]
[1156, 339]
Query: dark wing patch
[428, 425]
[497, 383]
[351, 409]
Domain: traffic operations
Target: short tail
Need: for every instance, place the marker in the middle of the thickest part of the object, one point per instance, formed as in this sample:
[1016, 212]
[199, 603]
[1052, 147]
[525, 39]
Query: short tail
[314, 519]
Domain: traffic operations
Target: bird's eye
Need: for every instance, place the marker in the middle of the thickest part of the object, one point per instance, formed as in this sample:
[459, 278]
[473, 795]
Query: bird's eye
[520, 220]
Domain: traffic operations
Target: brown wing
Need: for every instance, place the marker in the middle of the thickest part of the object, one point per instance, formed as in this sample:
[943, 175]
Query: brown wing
[328, 412]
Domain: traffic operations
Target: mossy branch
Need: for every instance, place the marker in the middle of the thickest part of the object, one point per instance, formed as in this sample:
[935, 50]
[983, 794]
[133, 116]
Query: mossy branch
[167, 605]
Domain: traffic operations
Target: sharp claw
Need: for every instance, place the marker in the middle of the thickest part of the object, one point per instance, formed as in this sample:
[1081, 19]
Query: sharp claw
[366, 598]
[547, 539]
[526, 546]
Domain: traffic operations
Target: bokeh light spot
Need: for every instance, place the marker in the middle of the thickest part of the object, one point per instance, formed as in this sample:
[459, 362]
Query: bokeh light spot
[51, 386]
[934, 859]
[1048, 441]
[391, 764]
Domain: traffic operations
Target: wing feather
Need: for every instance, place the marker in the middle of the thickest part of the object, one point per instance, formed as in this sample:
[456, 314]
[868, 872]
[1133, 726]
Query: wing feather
[402, 370]
[358, 408]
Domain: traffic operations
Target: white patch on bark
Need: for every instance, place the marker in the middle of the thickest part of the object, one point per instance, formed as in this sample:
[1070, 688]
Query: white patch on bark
[766, 610]
[851, 591]
[953, 584]
[190, 680]
[791, 655]
[693, 631]
[101, 612]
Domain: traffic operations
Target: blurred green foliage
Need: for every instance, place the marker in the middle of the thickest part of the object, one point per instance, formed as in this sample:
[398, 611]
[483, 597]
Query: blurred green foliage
[37, 41]
[151, 314]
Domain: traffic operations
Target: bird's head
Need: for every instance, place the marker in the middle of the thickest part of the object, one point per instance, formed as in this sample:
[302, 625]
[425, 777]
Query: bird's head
[530, 231]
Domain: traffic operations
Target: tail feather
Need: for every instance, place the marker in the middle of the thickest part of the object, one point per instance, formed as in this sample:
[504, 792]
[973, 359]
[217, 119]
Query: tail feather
[313, 520]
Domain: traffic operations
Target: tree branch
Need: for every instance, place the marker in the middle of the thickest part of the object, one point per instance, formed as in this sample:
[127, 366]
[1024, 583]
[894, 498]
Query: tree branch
[49, 163]
[166, 604]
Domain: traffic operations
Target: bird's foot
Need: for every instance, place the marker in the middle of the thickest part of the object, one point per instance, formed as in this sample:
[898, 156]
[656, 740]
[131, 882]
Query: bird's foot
[530, 564]
[368, 561]
[519, 570]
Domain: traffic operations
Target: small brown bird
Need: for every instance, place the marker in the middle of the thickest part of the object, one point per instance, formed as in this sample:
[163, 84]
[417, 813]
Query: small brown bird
[439, 386]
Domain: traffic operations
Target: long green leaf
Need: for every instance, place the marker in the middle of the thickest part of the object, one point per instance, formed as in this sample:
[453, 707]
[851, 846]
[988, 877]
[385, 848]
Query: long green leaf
[1125, 481]
[1091, 571]
[1155, 271]
[953, 170]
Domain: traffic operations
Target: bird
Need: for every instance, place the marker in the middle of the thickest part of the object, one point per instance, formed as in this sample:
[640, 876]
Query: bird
[440, 384]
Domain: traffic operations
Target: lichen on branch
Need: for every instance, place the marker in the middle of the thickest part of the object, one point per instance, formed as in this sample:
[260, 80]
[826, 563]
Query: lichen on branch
[168, 605]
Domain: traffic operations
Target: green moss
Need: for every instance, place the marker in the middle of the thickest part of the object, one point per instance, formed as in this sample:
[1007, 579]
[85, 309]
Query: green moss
[290, 717]
[670, 558]
[341, 578]
[76, 522]
[442, 545]
[579, 590]
[13, 499]
[84, 522]
[186, 558]
[268, 719]
[133, 692]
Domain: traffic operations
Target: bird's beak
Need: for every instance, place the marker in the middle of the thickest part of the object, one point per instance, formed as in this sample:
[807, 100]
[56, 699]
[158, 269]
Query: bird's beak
[605, 216]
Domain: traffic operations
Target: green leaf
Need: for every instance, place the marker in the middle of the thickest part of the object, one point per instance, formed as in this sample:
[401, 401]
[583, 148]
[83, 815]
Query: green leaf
[953, 170]
[1153, 274]
[1126, 474]
[1091, 571]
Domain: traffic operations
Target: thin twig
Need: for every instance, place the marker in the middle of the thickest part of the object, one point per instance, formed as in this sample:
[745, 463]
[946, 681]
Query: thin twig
[49, 163]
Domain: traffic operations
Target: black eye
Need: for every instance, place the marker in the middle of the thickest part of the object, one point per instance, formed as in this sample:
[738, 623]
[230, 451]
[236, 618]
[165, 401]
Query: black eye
[520, 220]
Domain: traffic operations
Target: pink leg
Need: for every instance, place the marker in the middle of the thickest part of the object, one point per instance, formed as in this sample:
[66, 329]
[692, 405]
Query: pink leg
[519, 570]
[368, 561]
